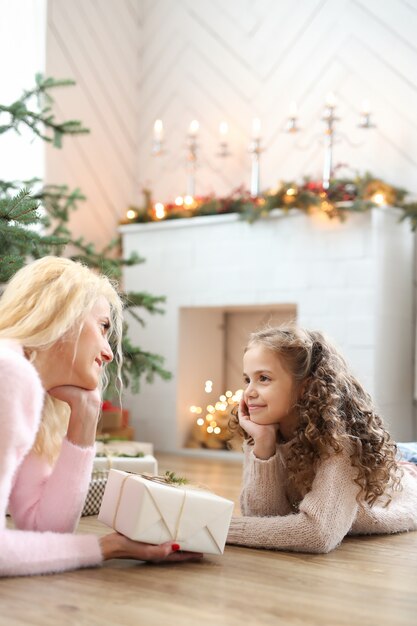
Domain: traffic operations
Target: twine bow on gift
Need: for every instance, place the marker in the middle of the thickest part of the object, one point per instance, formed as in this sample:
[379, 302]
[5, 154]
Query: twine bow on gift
[168, 479]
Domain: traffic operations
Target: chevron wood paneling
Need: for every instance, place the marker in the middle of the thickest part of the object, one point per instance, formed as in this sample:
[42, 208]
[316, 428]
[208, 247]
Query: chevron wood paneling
[97, 44]
[210, 60]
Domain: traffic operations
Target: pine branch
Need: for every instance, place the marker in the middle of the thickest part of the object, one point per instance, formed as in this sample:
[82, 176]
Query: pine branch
[39, 117]
[136, 364]
[34, 222]
[146, 300]
[22, 208]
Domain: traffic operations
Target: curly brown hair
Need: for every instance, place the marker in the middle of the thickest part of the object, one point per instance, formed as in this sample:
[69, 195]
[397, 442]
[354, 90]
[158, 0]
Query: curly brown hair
[334, 413]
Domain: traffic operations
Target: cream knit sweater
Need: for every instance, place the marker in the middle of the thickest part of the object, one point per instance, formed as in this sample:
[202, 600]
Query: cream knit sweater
[275, 517]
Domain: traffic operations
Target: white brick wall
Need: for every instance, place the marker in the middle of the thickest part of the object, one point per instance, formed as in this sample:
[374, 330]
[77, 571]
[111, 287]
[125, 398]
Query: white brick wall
[351, 280]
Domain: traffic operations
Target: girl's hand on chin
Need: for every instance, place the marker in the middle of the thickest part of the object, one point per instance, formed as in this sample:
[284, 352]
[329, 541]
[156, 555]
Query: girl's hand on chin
[263, 435]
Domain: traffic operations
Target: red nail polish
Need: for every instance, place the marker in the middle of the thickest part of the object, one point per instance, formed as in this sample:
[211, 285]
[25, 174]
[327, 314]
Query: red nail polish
[175, 547]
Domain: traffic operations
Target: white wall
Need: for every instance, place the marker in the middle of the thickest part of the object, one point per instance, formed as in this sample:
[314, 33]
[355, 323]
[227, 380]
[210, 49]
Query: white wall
[138, 60]
[213, 60]
[97, 44]
[22, 51]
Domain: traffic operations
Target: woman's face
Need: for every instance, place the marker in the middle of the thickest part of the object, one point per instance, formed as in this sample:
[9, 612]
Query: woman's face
[78, 359]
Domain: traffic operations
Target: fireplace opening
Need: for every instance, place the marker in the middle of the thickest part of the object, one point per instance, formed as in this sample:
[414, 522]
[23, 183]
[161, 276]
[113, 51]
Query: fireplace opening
[209, 383]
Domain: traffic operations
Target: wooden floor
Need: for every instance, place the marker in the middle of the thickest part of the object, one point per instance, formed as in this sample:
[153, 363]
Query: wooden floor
[368, 581]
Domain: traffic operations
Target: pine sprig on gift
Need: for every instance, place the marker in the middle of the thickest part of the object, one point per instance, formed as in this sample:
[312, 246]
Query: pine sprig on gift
[173, 479]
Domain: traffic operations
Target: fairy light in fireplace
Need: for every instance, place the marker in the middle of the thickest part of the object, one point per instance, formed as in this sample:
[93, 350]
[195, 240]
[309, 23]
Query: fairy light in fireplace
[211, 421]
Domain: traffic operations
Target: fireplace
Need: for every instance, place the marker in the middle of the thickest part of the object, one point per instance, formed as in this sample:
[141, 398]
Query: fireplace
[223, 277]
[210, 348]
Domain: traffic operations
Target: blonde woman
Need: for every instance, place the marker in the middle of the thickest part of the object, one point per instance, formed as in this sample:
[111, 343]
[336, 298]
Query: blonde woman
[58, 320]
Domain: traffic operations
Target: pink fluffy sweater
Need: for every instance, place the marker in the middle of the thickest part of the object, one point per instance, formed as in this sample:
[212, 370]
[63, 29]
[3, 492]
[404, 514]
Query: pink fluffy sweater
[44, 502]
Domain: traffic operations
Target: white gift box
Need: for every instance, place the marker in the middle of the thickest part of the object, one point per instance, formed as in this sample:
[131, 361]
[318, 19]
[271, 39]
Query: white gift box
[137, 465]
[154, 512]
[124, 447]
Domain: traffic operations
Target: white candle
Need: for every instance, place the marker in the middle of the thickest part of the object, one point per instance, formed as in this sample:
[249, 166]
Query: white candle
[331, 100]
[293, 109]
[158, 130]
[223, 129]
[193, 130]
[256, 128]
[366, 107]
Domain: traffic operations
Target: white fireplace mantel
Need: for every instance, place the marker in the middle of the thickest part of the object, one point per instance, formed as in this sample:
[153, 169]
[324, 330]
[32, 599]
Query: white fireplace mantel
[352, 280]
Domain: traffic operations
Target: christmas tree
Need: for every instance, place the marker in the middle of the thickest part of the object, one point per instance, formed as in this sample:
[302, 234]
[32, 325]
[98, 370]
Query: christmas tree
[34, 222]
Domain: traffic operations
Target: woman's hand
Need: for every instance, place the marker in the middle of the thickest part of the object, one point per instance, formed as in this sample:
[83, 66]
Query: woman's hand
[116, 546]
[85, 407]
[263, 435]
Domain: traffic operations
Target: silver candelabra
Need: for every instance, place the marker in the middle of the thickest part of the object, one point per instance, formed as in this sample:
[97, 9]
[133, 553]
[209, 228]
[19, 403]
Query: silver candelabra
[329, 118]
[255, 150]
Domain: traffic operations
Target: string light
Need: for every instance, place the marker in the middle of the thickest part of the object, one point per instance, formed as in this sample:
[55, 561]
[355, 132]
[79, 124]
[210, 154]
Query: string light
[326, 206]
[130, 214]
[379, 199]
[215, 421]
[159, 211]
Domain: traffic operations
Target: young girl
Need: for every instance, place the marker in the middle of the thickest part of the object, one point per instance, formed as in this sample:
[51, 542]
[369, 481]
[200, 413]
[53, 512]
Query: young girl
[319, 463]
[57, 321]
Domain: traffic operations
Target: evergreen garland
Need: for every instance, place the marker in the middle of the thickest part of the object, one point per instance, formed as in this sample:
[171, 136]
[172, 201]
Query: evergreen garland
[344, 195]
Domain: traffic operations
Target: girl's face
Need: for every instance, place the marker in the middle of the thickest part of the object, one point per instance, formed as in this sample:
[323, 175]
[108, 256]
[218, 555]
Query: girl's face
[79, 358]
[270, 391]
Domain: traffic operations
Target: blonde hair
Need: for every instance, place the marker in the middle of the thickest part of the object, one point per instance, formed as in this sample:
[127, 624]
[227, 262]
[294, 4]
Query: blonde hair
[334, 413]
[42, 302]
